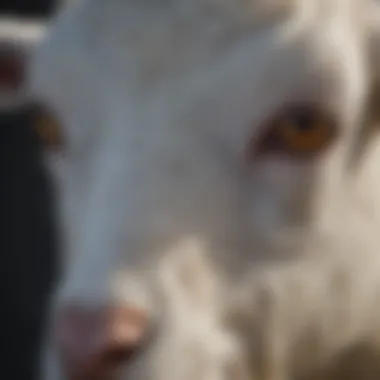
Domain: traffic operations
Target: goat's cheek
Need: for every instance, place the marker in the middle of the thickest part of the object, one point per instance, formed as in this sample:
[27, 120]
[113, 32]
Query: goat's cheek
[276, 187]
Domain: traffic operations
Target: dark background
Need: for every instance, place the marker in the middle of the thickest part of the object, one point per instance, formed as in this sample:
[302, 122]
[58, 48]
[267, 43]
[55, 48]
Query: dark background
[28, 8]
[28, 239]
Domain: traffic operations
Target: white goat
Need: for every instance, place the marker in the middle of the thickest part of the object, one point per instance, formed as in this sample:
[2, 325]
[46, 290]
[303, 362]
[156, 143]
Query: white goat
[245, 128]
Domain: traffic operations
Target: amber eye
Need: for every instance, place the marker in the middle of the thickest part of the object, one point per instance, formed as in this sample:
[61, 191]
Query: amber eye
[48, 130]
[298, 132]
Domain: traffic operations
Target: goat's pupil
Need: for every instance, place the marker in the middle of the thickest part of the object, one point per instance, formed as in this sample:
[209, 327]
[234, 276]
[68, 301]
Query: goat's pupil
[303, 120]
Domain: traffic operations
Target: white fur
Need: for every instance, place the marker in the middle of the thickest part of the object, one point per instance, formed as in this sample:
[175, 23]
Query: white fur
[158, 101]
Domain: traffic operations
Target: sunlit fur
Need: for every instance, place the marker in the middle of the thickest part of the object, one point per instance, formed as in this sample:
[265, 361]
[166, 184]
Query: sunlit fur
[159, 101]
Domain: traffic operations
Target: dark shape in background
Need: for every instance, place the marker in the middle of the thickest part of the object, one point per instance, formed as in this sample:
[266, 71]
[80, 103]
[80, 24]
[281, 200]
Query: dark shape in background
[28, 245]
[28, 8]
[28, 242]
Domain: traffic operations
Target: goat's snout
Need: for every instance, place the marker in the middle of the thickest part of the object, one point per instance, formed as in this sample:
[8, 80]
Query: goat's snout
[92, 343]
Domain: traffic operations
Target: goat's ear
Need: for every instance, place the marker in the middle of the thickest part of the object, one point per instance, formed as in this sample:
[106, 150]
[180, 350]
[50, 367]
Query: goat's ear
[17, 40]
[371, 113]
[373, 20]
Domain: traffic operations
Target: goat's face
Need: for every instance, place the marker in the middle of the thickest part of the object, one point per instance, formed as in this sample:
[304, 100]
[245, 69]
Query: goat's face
[233, 125]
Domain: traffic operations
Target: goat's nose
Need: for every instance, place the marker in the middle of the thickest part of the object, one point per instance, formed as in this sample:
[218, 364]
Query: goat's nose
[92, 343]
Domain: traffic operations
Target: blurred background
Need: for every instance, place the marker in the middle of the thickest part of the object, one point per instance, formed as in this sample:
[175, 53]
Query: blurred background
[28, 8]
[28, 239]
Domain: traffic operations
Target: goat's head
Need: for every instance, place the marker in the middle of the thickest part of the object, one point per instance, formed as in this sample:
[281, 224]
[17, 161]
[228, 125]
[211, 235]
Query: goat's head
[238, 125]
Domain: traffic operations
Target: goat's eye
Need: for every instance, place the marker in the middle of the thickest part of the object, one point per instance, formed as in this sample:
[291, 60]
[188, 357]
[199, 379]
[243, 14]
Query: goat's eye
[298, 132]
[48, 130]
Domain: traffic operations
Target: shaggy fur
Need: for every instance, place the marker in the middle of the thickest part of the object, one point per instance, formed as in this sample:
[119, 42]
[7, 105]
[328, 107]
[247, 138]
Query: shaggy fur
[159, 101]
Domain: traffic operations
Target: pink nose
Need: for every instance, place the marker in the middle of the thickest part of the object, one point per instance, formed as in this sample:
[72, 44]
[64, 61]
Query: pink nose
[92, 343]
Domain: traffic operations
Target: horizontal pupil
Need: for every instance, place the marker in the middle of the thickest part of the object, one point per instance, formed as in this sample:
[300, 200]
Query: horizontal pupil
[303, 121]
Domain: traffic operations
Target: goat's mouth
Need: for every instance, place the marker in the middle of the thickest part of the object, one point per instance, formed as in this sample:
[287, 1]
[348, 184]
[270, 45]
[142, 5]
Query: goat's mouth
[92, 348]
[103, 365]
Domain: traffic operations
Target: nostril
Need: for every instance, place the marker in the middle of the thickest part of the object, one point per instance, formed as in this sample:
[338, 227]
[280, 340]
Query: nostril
[92, 343]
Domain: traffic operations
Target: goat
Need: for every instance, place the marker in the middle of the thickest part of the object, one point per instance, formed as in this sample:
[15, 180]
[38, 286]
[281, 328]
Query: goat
[245, 127]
